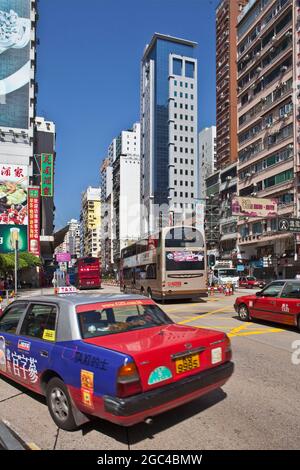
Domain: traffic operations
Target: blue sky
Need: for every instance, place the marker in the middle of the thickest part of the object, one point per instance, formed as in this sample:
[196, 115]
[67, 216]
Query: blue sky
[89, 72]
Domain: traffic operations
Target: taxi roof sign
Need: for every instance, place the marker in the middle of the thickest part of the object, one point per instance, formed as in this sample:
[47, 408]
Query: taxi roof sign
[65, 290]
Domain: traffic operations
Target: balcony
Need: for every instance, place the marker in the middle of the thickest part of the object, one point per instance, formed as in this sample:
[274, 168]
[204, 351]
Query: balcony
[265, 28]
[262, 52]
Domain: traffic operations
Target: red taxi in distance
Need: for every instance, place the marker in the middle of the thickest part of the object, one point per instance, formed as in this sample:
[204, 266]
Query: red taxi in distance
[278, 302]
[249, 282]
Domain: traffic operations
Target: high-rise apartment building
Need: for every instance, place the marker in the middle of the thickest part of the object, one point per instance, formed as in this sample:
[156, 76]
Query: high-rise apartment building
[207, 156]
[126, 189]
[71, 242]
[169, 160]
[268, 165]
[107, 220]
[90, 221]
[226, 50]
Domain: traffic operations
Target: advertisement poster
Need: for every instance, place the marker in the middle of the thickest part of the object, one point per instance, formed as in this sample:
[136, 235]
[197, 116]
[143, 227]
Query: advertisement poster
[47, 175]
[34, 220]
[13, 194]
[63, 257]
[15, 72]
[254, 207]
[8, 235]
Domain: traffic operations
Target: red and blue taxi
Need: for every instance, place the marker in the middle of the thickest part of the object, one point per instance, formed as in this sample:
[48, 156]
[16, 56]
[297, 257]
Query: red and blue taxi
[278, 302]
[117, 357]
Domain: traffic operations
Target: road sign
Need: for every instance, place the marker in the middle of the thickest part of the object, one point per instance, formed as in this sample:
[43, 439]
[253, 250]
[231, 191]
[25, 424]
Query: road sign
[289, 225]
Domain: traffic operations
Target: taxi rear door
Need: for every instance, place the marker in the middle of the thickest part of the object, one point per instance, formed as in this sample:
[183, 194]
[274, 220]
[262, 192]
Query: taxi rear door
[36, 341]
[9, 325]
[265, 304]
[288, 305]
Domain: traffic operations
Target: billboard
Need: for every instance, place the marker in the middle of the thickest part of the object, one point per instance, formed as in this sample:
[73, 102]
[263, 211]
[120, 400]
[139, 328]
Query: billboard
[63, 257]
[7, 237]
[34, 220]
[13, 194]
[15, 71]
[254, 207]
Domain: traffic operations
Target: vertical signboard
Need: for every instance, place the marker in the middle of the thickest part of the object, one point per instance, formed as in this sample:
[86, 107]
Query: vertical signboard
[15, 71]
[34, 220]
[47, 175]
[200, 214]
[13, 194]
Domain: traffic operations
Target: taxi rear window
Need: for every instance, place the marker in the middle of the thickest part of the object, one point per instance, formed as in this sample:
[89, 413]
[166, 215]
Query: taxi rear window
[107, 319]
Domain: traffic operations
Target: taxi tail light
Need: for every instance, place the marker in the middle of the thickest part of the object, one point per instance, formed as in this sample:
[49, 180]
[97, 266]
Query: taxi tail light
[228, 350]
[128, 381]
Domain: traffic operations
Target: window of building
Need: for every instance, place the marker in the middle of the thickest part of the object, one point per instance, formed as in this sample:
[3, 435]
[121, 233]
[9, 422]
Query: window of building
[189, 69]
[177, 66]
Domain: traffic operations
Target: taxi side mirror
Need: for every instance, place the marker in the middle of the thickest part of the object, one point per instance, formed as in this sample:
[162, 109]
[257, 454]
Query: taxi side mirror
[258, 294]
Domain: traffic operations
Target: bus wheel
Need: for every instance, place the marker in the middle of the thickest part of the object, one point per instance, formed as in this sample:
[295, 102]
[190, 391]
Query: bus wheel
[149, 293]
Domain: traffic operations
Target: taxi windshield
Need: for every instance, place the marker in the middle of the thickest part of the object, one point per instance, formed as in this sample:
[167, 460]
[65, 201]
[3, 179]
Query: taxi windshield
[105, 320]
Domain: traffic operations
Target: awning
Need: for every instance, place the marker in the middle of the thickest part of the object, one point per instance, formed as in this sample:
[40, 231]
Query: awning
[229, 236]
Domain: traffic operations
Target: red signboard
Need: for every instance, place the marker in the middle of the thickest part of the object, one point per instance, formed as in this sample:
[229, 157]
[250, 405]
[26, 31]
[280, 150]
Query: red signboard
[34, 220]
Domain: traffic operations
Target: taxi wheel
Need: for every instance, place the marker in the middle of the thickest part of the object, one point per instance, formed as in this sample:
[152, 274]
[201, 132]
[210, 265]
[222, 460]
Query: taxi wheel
[59, 405]
[244, 313]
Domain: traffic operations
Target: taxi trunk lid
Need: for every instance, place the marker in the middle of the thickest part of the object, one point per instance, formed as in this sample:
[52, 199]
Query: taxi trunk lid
[168, 353]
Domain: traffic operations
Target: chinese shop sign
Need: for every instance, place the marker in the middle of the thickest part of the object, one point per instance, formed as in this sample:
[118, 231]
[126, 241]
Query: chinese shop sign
[47, 175]
[34, 220]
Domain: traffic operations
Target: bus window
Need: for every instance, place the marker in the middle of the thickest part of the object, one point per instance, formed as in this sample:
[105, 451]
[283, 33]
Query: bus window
[151, 271]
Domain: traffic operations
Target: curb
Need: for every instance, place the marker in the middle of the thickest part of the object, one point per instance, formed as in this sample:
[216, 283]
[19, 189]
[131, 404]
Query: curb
[10, 439]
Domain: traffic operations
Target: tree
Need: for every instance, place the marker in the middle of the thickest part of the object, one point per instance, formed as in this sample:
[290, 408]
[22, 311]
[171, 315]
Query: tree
[25, 260]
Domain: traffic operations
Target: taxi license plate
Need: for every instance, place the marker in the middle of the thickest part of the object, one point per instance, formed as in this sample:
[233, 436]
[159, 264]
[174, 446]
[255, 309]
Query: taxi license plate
[187, 363]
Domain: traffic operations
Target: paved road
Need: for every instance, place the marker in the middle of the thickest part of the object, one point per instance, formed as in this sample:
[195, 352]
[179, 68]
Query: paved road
[259, 408]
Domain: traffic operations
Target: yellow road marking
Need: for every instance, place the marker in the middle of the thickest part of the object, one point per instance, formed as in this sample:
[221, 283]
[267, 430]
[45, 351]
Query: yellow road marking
[202, 315]
[33, 446]
[213, 327]
[239, 328]
[256, 332]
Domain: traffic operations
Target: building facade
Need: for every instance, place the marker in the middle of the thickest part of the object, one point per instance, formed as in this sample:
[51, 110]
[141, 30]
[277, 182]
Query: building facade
[107, 220]
[18, 22]
[220, 226]
[71, 242]
[207, 156]
[90, 223]
[226, 50]
[126, 190]
[268, 130]
[45, 143]
[169, 159]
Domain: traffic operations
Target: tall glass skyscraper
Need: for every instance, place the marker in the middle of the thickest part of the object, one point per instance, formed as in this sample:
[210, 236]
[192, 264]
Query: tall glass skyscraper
[169, 166]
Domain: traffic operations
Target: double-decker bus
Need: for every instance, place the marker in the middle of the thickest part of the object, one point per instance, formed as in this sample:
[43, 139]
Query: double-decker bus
[169, 265]
[88, 273]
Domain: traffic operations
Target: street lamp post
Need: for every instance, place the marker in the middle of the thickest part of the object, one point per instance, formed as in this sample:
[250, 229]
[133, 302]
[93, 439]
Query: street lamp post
[14, 241]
